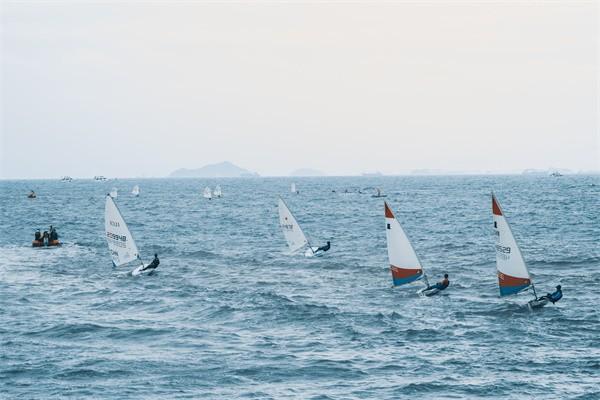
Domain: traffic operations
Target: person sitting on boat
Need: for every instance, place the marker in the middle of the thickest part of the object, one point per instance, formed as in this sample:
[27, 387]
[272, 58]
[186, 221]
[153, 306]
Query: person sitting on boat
[554, 297]
[324, 248]
[442, 284]
[53, 233]
[31, 195]
[153, 264]
[38, 235]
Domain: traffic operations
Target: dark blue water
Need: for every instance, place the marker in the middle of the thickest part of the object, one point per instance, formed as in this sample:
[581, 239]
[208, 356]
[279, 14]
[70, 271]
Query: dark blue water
[229, 315]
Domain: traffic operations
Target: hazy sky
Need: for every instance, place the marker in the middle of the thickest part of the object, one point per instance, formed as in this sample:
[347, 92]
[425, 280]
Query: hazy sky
[143, 88]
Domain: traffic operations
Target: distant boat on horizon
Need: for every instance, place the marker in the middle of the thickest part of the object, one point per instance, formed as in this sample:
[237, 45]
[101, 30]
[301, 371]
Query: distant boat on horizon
[207, 194]
[136, 191]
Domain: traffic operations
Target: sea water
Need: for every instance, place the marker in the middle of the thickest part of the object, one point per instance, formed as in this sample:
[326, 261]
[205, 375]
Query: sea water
[229, 314]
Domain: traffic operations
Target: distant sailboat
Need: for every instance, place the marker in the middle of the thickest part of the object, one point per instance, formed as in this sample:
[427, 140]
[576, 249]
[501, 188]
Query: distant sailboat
[120, 241]
[207, 193]
[114, 193]
[136, 191]
[513, 276]
[217, 192]
[293, 188]
[294, 236]
[404, 261]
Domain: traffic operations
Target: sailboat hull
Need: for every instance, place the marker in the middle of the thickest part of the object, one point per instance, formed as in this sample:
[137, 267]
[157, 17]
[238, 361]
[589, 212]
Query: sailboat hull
[537, 303]
[140, 271]
[313, 252]
[429, 291]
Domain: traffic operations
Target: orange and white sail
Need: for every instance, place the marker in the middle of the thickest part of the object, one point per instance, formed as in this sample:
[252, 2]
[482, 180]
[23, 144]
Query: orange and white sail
[404, 262]
[513, 275]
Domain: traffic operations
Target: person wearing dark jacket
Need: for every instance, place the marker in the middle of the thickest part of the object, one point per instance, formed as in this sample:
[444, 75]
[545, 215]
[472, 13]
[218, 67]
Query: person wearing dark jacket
[153, 264]
[554, 297]
[324, 248]
[441, 285]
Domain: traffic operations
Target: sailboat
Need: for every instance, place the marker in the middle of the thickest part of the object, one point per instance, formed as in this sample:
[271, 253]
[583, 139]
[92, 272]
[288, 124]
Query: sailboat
[294, 236]
[217, 192]
[513, 276]
[136, 191]
[207, 193]
[405, 265]
[120, 241]
[113, 193]
[293, 188]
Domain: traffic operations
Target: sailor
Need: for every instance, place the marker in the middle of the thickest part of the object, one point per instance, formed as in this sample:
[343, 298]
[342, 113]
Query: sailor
[153, 264]
[441, 285]
[554, 297]
[324, 248]
[31, 195]
[38, 235]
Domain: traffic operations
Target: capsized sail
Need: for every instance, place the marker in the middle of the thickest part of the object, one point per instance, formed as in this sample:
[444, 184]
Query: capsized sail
[207, 193]
[136, 190]
[291, 229]
[120, 241]
[513, 275]
[404, 262]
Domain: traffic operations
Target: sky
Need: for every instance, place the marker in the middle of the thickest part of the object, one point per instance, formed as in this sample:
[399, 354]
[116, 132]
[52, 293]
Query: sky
[139, 89]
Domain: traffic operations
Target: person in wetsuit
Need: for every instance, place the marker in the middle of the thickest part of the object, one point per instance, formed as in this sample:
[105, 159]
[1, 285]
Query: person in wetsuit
[37, 235]
[554, 297]
[441, 285]
[324, 248]
[153, 264]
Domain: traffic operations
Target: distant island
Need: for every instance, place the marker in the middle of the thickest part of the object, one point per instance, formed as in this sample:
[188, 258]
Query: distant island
[307, 172]
[371, 174]
[224, 169]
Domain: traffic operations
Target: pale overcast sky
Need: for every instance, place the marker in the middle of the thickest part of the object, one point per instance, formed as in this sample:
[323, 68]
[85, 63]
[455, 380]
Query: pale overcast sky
[143, 88]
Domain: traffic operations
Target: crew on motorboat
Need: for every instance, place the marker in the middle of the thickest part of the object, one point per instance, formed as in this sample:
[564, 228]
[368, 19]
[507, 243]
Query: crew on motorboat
[48, 238]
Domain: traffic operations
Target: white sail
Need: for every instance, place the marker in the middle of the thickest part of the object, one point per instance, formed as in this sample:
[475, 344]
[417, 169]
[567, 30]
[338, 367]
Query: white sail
[207, 193]
[114, 193]
[291, 229]
[120, 241]
[217, 192]
[404, 262]
[513, 275]
[136, 191]
[293, 188]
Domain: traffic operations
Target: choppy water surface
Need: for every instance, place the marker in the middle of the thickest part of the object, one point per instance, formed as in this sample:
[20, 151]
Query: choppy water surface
[230, 315]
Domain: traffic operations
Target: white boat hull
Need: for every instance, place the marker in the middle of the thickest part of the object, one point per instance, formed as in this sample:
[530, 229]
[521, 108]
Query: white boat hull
[312, 252]
[140, 271]
[537, 303]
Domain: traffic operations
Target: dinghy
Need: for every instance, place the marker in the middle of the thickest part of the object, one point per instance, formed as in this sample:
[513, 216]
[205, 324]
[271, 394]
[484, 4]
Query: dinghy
[379, 193]
[513, 276]
[294, 236]
[217, 192]
[113, 193]
[207, 193]
[404, 261]
[136, 191]
[120, 241]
